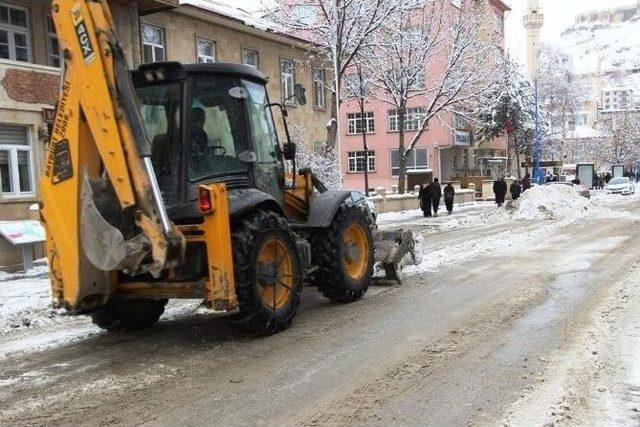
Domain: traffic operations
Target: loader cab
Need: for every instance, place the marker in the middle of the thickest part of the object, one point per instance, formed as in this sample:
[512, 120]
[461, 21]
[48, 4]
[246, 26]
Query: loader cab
[209, 123]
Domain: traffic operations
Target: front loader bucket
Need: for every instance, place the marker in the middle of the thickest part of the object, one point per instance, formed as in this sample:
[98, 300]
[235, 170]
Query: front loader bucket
[391, 248]
[103, 244]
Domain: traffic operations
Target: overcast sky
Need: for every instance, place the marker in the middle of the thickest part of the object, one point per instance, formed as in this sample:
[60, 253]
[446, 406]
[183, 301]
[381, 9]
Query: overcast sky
[559, 15]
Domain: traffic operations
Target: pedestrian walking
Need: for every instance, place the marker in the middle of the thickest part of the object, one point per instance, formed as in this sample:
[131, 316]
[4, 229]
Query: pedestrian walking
[500, 190]
[607, 177]
[436, 195]
[425, 199]
[449, 195]
[515, 190]
[526, 182]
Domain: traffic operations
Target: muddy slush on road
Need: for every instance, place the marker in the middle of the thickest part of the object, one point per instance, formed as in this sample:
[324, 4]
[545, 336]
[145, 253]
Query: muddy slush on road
[505, 322]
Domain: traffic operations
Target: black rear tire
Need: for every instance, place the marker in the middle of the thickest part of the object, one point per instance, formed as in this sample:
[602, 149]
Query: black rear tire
[128, 315]
[250, 236]
[329, 252]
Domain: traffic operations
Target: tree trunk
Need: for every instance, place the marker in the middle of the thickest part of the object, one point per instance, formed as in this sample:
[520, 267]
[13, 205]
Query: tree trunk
[402, 170]
[515, 148]
[332, 127]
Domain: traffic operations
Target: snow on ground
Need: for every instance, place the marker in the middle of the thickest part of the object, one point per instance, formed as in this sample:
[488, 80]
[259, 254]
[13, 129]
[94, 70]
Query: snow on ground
[559, 205]
[29, 323]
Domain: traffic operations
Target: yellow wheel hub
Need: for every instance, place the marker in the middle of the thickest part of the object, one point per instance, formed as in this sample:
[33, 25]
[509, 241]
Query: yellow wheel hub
[275, 273]
[355, 254]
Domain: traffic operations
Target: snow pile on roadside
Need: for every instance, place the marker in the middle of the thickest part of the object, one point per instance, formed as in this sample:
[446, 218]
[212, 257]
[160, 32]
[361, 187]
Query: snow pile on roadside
[26, 303]
[550, 202]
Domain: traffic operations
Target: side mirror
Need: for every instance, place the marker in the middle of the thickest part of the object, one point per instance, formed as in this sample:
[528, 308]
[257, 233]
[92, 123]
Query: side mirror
[289, 151]
[299, 91]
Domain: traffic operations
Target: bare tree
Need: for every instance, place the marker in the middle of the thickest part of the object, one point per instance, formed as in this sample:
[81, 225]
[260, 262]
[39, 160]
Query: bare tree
[436, 57]
[621, 143]
[560, 92]
[340, 29]
[359, 85]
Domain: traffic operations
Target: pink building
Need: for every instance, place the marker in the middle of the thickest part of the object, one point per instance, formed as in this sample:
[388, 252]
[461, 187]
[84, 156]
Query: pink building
[446, 150]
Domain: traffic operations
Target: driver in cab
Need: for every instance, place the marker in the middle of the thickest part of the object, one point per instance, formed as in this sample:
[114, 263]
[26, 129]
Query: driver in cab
[199, 138]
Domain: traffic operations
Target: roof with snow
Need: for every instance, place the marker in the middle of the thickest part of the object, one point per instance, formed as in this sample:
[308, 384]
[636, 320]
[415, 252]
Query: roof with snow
[584, 132]
[224, 9]
[235, 13]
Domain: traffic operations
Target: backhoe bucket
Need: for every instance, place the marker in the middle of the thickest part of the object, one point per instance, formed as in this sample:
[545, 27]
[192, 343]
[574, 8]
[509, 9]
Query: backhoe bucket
[391, 250]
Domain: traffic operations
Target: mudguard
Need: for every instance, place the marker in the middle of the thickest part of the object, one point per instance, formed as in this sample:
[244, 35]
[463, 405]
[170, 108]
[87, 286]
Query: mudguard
[324, 208]
[245, 200]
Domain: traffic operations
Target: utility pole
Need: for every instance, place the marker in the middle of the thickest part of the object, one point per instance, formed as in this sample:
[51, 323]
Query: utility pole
[536, 139]
[361, 100]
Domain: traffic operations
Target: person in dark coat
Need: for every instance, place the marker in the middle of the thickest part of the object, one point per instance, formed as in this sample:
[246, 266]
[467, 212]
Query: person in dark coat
[425, 199]
[514, 189]
[500, 190]
[526, 182]
[449, 195]
[436, 195]
[607, 177]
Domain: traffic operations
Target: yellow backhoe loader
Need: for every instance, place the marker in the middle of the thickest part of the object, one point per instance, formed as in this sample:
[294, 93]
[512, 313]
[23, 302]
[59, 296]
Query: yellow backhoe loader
[170, 182]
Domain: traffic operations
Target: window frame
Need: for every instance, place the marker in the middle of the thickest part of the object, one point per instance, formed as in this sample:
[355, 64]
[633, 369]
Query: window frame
[283, 85]
[409, 119]
[154, 45]
[355, 117]
[14, 172]
[13, 29]
[214, 46]
[354, 156]
[319, 88]
[254, 51]
[413, 167]
[51, 36]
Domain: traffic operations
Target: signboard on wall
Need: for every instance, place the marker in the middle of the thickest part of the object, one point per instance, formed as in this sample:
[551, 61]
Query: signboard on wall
[22, 232]
[585, 172]
[617, 171]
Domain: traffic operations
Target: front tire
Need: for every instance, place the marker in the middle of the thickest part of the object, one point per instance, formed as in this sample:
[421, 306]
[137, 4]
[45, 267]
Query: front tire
[344, 255]
[267, 273]
[128, 315]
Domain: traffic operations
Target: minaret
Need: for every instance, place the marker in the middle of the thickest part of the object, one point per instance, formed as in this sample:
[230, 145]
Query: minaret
[533, 21]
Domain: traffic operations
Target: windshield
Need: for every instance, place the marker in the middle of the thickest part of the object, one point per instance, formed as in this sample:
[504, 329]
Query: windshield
[216, 132]
[618, 181]
[160, 111]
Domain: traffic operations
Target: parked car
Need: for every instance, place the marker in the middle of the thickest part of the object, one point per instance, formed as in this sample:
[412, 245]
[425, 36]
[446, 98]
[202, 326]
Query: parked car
[580, 189]
[620, 185]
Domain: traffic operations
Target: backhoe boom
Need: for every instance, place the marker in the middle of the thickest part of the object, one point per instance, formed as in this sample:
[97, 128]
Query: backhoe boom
[99, 179]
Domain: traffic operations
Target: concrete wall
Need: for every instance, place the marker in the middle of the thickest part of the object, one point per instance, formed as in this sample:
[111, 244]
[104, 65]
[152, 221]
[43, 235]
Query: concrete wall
[397, 203]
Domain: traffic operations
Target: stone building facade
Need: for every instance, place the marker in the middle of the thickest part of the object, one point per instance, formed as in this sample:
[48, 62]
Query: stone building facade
[149, 30]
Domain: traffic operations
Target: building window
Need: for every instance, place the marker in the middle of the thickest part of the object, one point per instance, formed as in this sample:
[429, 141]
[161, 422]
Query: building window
[153, 44]
[357, 161]
[287, 71]
[412, 120]
[304, 14]
[355, 123]
[207, 51]
[498, 22]
[52, 43]
[14, 34]
[250, 57]
[416, 161]
[319, 81]
[16, 173]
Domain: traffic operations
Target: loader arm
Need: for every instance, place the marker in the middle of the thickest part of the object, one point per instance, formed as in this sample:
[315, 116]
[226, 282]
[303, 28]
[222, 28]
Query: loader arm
[99, 149]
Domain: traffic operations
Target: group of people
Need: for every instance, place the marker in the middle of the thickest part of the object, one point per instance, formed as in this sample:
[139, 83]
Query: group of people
[430, 195]
[516, 188]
